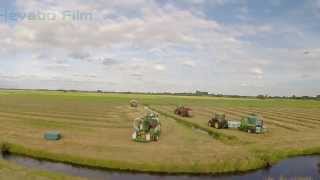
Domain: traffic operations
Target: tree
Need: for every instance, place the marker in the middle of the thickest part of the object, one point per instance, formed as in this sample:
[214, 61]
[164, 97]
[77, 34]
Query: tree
[318, 97]
[200, 93]
[260, 96]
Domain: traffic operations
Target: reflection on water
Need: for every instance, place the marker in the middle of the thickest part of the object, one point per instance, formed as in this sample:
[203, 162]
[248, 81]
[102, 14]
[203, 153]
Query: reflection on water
[300, 167]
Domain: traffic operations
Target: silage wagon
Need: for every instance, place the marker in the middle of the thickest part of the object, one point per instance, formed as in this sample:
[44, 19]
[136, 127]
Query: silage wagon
[147, 128]
[252, 124]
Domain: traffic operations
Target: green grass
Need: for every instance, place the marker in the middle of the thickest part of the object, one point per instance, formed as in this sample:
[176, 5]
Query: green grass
[97, 129]
[10, 171]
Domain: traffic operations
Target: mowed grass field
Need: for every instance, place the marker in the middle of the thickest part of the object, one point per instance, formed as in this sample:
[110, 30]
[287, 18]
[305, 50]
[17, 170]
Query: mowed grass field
[97, 130]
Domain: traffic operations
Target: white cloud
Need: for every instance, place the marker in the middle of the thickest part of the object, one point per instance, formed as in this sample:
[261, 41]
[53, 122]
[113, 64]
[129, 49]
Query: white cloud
[138, 37]
[256, 71]
[159, 67]
[189, 63]
[59, 66]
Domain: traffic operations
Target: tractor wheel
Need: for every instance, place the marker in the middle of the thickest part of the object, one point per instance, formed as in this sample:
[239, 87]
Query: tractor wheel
[156, 138]
[209, 124]
[216, 125]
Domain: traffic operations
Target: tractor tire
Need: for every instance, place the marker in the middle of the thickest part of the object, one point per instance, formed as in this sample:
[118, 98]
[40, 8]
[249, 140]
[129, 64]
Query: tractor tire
[216, 125]
[209, 124]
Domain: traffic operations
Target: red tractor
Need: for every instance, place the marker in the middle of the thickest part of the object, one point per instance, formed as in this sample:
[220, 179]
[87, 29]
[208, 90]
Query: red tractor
[183, 111]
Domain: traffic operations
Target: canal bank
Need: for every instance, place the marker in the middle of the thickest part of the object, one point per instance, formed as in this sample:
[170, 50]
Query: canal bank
[298, 167]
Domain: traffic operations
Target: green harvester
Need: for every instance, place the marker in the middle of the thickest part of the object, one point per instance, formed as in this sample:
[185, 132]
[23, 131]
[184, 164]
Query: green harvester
[252, 124]
[147, 128]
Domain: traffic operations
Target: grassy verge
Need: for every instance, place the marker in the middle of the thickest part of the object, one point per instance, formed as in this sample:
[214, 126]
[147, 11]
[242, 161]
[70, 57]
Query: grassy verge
[15, 172]
[216, 168]
[260, 159]
[273, 157]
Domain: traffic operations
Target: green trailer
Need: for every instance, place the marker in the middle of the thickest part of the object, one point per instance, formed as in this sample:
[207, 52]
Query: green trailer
[252, 124]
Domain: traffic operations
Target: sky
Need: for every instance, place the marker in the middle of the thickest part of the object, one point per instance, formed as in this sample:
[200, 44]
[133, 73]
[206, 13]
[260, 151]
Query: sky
[244, 47]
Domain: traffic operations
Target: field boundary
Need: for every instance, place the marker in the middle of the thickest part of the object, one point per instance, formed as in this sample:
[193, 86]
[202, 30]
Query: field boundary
[262, 160]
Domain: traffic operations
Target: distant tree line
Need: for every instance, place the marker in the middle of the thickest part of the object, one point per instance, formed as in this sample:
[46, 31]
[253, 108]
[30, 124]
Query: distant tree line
[196, 93]
[204, 93]
[289, 97]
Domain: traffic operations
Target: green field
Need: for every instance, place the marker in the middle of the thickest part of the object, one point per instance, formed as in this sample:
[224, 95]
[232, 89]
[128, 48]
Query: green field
[97, 131]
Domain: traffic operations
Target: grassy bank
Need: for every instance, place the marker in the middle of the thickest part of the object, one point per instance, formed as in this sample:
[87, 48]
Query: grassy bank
[262, 159]
[12, 171]
[97, 129]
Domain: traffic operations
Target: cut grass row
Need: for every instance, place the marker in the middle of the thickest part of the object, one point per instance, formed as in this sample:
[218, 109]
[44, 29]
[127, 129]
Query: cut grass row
[283, 122]
[289, 114]
[110, 119]
[83, 113]
[285, 112]
[298, 121]
[207, 113]
[238, 114]
[272, 116]
[202, 119]
[285, 119]
[223, 137]
[58, 122]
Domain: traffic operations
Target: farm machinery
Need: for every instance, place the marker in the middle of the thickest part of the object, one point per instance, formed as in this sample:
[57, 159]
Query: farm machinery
[147, 128]
[183, 111]
[134, 103]
[250, 124]
[218, 121]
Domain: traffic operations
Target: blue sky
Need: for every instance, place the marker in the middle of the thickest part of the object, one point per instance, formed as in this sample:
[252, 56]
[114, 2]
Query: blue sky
[245, 47]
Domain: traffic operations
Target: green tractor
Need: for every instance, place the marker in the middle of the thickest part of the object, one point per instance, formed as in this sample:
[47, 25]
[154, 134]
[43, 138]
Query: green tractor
[219, 121]
[147, 128]
[252, 124]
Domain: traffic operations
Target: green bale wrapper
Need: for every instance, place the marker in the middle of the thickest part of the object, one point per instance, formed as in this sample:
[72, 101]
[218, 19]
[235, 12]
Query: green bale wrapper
[252, 124]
